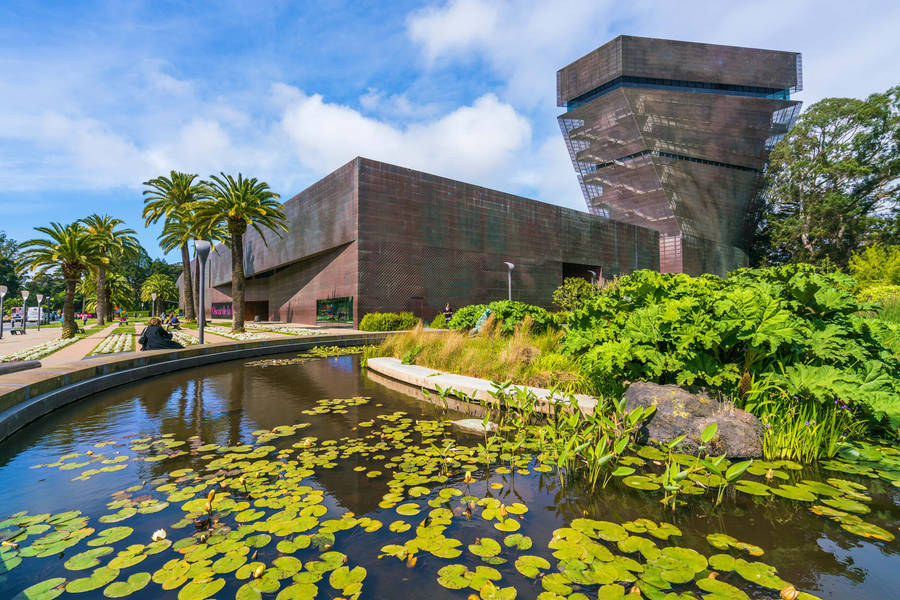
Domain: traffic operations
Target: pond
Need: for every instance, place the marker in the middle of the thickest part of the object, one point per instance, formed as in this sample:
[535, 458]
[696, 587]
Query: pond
[310, 480]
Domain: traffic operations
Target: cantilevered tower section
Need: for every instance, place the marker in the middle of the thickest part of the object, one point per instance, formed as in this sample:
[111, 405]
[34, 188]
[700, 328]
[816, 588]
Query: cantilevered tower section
[675, 136]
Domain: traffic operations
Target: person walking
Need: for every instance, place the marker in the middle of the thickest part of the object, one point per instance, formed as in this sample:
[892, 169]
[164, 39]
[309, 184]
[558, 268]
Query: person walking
[448, 314]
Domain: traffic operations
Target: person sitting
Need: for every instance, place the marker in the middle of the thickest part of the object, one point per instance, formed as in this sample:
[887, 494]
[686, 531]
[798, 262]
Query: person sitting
[154, 337]
[173, 322]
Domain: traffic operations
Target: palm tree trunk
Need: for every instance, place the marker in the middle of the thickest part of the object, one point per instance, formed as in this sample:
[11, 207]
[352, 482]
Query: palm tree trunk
[68, 316]
[187, 284]
[101, 295]
[237, 279]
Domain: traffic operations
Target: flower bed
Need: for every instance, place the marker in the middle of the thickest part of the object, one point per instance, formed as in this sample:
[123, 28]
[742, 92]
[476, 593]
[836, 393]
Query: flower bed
[185, 339]
[40, 351]
[225, 332]
[115, 342]
[285, 329]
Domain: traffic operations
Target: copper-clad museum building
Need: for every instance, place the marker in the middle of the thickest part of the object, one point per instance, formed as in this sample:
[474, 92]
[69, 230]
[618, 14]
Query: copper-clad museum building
[374, 237]
[669, 141]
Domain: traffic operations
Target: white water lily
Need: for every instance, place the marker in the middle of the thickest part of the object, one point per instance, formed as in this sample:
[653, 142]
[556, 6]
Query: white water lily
[159, 534]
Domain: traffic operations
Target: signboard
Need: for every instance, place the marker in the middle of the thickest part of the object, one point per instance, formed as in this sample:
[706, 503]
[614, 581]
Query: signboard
[221, 310]
[335, 310]
[33, 313]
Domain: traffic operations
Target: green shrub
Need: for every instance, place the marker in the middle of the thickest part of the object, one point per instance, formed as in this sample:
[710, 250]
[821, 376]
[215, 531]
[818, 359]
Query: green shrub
[876, 265]
[793, 327]
[879, 293]
[467, 316]
[439, 322]
[508, 314]
[388, 321]
[574, 293]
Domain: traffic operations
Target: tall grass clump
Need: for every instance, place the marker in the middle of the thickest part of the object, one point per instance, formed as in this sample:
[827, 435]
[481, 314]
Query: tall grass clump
[524, 357]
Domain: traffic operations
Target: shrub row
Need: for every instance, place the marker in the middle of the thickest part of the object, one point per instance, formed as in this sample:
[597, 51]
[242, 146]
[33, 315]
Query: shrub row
[388, 321]
[508, 314]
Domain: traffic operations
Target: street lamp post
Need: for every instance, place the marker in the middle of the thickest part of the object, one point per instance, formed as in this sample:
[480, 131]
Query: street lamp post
[201, 249]
[40, 298]
[153, 304]
[3, 290]
[24, 310]
[593, 276]
[509, 266]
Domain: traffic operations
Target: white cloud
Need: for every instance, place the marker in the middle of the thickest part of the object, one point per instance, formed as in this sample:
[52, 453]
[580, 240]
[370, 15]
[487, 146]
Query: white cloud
[475, 142]
[456, 27]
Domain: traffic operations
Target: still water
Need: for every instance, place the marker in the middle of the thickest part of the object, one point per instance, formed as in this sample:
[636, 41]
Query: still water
[225, 404]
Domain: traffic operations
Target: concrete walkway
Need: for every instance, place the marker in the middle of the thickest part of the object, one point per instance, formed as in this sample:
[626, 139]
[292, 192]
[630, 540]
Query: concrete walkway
[79, 349]
[13, 343]
[479, 389]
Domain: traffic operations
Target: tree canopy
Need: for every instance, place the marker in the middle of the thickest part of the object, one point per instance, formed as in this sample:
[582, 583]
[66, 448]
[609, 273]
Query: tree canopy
[833, 182]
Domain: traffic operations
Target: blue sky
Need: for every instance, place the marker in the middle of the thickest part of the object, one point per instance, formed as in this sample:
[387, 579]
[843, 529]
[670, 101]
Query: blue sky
[96, 97]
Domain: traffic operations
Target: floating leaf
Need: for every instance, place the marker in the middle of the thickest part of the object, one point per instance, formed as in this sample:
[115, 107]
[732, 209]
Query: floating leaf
[87, 559]
[110, 536]
[134, 583]
[45, 590]
[530, 566]
[485, 547]
[455, 577]
[518, 541]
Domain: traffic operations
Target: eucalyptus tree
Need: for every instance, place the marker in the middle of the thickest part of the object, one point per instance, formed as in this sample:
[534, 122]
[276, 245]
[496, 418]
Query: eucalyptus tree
[69, 249]
[173, 199]
[111, 241]
[235, 204]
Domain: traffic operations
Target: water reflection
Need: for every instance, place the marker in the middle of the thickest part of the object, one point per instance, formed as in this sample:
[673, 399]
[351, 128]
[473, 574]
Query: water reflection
[225, 403]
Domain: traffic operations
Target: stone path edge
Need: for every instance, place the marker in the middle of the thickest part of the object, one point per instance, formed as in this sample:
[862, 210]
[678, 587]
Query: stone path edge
[38, 392]
[479, 389]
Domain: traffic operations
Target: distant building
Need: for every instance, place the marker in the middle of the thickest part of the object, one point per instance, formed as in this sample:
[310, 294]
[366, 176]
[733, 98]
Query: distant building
[374, 237]
[675, 136]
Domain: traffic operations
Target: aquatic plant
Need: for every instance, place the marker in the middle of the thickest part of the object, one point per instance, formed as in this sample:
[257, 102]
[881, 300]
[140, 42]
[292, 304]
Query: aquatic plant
[253, 517]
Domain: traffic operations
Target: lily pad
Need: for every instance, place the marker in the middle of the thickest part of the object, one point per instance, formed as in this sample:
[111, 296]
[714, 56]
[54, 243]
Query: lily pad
[485, 547]
[45, 590]
[134, 583]
[530, 566]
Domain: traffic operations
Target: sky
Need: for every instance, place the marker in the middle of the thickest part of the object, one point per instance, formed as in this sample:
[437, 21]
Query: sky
[98, 97]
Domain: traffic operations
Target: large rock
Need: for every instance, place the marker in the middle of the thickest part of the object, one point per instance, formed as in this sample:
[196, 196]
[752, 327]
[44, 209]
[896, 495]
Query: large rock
[682, 412]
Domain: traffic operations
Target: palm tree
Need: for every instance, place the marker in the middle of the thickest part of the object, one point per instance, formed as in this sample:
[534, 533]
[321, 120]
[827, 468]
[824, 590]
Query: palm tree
[111, 242]
[235, 204]
[161, 285]
[118, 291]
[173, 199]
[69, 248]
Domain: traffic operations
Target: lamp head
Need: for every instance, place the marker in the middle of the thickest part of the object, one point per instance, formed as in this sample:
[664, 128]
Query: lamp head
[40, 298]
[509, 265]
[201, 248]
[25, 295]
[3, 290]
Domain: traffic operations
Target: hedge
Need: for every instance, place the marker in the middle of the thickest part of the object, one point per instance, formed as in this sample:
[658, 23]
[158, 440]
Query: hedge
[388, 321]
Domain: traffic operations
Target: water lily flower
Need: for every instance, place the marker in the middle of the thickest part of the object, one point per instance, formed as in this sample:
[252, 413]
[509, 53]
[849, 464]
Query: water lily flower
[159, 534]
[468, 477]
[258, 571]
[790, 593]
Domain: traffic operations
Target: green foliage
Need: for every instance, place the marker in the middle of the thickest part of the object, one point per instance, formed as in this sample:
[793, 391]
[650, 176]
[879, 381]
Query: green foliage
[507, 313]
[467, 316]
[833, 181]
[439, 322]
[795, 328]
[876, 265]
[161, 285]
[388, 321]
[574, 293]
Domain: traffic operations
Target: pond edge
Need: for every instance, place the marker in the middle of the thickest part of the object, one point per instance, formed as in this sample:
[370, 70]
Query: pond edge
[26, 396]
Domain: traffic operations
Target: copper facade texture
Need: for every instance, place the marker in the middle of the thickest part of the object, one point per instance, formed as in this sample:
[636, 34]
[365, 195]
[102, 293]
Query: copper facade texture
[396, 239]
[675, 136]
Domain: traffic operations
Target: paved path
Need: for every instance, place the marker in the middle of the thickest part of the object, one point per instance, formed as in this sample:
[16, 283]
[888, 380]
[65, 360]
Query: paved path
[79, 349]
[13, 343]
[209, 338]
